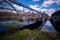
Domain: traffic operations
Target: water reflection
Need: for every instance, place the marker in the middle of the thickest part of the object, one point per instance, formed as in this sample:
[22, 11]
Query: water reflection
[5, 25]
[47, 27]
[10, 24]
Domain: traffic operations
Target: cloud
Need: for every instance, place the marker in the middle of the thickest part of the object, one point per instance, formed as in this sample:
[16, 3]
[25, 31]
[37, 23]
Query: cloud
[35, 7]
[50, 11]
[48, 3]
[43, 10]
[47, 11]
[58, 2]
[35, 0]
[19, 8]
[26, 10]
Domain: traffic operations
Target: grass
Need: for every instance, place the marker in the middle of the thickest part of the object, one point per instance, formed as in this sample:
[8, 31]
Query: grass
[31, 35]
[27, 34]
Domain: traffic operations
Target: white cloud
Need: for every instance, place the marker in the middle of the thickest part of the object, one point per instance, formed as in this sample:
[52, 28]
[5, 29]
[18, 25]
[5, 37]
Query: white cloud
[58, 2]
[43, 10]
[18, 7]
[35, 0]
[50, 11]
[47, 3]
[47, 11]
[35, 7]
[26, 10]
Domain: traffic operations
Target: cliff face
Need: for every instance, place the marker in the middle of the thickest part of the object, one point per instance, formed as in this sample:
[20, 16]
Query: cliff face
[55, 20]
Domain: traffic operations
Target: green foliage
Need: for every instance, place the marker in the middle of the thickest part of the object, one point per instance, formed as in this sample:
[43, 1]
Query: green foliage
[20, 36]
[31, 35]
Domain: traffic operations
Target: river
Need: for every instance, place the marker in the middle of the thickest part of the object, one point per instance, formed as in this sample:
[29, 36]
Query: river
[3, 25]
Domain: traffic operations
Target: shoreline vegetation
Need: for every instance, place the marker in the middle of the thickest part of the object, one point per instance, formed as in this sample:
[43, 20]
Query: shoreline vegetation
[27, 34]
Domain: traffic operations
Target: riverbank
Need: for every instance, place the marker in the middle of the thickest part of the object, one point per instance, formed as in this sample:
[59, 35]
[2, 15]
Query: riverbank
[31, 35]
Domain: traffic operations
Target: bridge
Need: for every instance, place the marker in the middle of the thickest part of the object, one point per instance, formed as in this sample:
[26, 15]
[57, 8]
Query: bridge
[7, 15]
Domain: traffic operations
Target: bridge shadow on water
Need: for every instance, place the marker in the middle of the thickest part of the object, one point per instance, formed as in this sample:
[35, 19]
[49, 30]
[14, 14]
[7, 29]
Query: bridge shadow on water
[4, 26]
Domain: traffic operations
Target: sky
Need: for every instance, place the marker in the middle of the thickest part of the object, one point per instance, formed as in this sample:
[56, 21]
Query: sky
[47, 6]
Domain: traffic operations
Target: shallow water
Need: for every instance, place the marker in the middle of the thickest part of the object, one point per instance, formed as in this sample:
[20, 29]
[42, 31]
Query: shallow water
[11, 23]
[49, 27]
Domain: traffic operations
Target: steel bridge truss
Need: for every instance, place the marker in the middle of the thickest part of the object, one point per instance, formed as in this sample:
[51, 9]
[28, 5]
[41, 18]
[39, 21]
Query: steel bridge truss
[20, 4]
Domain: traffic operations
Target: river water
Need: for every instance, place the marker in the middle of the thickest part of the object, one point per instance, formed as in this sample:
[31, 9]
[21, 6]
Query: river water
[48, 27]
[3, 25]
